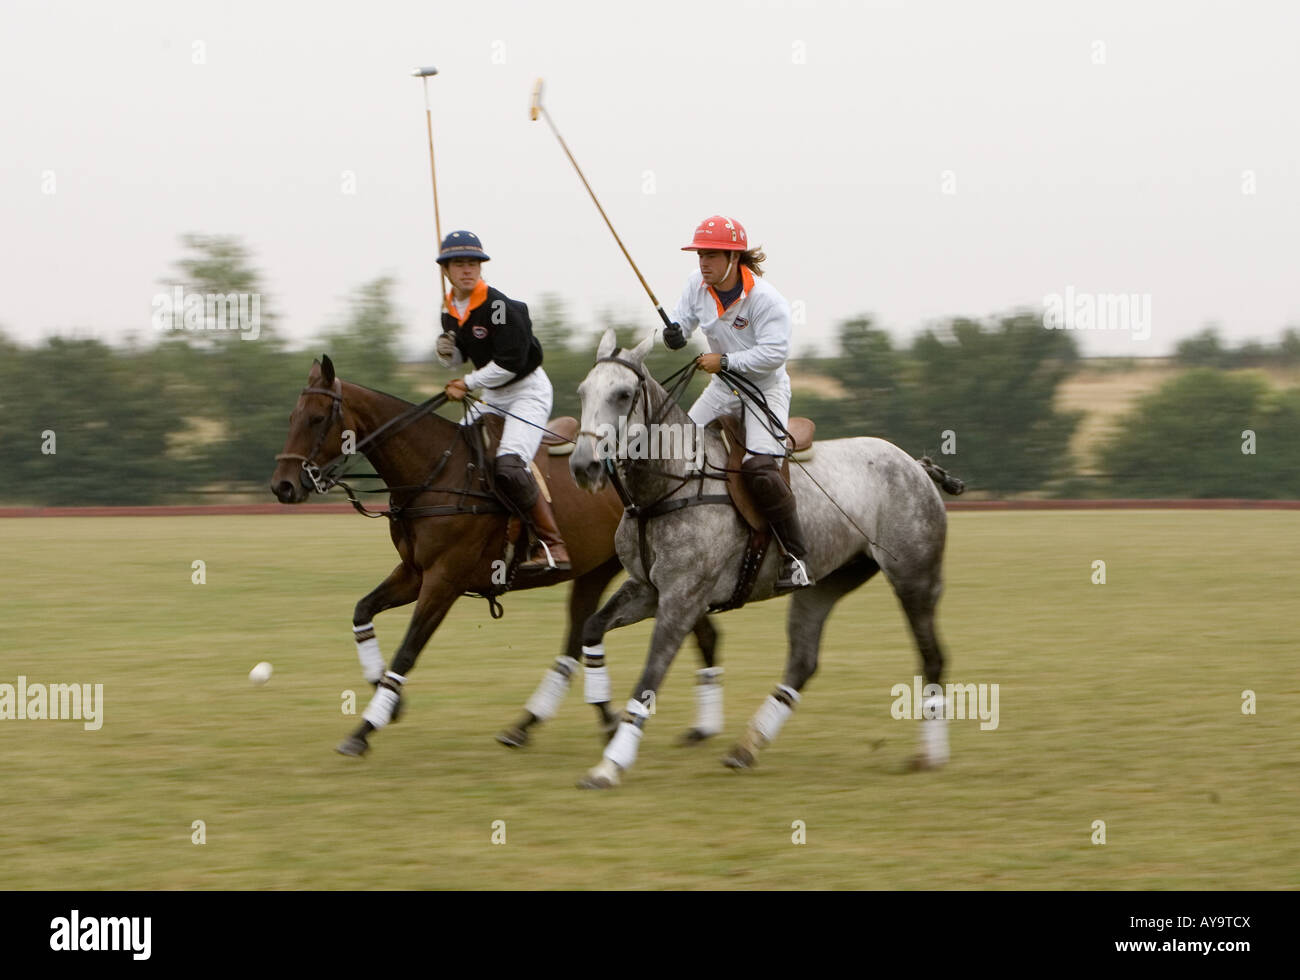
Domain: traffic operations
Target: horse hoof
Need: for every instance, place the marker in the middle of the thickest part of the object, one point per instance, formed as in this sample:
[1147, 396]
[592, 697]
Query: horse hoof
[352, 746]
[604, 775]
[923, 763]
[694, 736]
[513, 738]
[739, 758]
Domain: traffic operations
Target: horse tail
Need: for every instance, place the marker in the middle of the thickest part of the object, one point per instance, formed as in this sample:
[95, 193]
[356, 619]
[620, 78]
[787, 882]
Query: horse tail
[942, 478]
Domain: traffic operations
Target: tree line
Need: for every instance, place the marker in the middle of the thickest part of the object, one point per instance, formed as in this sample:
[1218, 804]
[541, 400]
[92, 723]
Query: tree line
[201, 413]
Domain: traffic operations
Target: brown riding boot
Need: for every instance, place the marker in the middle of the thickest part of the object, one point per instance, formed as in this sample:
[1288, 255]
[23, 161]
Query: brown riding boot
[763, 477]
[515, 479]
[550, 541]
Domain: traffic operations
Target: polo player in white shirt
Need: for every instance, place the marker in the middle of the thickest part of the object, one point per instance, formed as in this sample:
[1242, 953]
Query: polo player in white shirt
[747, 325]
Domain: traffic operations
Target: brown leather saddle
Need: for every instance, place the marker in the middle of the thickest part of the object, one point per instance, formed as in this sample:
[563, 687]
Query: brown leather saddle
[733, 437]
[559, 441]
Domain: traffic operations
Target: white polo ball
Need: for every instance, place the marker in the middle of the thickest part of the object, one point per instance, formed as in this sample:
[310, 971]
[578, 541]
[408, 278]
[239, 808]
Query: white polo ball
[260, 674]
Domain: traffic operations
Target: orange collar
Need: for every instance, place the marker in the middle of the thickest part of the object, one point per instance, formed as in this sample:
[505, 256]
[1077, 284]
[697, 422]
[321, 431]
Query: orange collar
[476, 299]
[747, 279]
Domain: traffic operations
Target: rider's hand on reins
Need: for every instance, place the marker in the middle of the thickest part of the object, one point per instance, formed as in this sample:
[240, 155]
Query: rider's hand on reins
[710, 362]
[456, 389]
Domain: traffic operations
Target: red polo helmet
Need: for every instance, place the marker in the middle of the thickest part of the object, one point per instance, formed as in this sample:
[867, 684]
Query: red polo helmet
[718, 233]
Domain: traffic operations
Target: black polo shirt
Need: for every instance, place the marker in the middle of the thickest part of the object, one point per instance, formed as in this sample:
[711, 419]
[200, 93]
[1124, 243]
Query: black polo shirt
[496, 328]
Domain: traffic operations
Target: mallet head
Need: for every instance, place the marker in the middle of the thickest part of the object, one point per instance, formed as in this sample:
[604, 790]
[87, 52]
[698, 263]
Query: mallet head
[425, 72]
[536, 106]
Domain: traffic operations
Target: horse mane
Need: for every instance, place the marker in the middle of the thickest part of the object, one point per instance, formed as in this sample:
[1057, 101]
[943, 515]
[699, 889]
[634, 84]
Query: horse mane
[402, 403]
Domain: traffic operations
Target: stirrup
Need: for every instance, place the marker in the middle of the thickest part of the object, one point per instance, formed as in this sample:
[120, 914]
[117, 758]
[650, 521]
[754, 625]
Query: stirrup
[799, 578]
[550, 565]
[550, 559]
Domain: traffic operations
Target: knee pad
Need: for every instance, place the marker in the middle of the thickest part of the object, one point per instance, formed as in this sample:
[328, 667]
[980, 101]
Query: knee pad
[515, 480]
[763, 476]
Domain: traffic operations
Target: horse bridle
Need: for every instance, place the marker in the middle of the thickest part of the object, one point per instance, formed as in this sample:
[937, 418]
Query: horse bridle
[323, 476]
[642, 389]
[314, 472]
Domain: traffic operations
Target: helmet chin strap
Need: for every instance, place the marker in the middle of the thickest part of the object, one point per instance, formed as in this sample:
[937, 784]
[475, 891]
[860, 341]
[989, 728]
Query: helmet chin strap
[731, 258]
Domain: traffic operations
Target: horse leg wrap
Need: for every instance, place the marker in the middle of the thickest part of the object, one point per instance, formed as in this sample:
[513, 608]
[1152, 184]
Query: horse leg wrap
[596, 678]
[372, 661]
[623, 746]
[708, 700]
[771, 715]
[551, 691]
[380, 710]
[934, 730]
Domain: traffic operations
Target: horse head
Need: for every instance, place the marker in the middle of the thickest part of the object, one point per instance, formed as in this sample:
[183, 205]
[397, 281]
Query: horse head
[315, 434]
[613, 395]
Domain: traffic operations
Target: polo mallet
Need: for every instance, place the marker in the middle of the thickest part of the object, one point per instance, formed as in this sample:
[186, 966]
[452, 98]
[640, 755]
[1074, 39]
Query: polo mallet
[424, 74]
[538, 109]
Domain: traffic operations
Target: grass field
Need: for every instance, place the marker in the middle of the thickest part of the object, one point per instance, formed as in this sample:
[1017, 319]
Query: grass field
[1118, 702]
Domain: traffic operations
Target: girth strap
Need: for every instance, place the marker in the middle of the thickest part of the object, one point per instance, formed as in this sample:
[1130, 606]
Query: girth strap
[755, 552]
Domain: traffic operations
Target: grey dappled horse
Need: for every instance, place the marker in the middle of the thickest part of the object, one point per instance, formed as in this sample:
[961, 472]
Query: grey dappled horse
[693, 553]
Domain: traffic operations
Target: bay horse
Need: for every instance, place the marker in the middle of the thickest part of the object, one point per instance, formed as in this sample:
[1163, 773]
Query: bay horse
[452, 535]
[682, 559]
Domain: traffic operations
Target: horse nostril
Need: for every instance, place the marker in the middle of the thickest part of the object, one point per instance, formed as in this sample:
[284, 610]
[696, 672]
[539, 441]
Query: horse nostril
[283, 491]
[593, 471]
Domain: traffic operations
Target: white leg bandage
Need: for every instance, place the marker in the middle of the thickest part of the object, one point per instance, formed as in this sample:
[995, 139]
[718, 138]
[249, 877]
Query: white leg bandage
[372, 661]
[934, 730]
[623, 746]
[596, 678]
[380, 710]
[773, 712]
[551, 691]
[708, 700]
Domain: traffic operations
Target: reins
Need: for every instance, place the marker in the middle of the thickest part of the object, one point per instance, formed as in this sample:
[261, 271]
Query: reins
[325, 477]
[744, 389]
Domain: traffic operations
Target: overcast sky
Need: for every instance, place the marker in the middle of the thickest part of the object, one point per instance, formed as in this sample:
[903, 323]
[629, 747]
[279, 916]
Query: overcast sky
[908, 160]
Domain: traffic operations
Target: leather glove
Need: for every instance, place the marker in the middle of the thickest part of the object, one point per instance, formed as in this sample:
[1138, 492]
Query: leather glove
[675, 336]
[446, 345]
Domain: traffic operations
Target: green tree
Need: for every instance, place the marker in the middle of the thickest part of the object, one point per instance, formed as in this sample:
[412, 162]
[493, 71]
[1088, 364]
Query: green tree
[875, 380]
[551, 324]
[1289, 347]
[993, 390]
[1204, 349]
[364, 348]
[109, 431]
[244, 384]
[1186, 440]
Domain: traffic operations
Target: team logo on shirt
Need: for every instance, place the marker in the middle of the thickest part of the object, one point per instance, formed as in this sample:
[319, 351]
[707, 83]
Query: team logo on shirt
[479, 331]
[741, 323]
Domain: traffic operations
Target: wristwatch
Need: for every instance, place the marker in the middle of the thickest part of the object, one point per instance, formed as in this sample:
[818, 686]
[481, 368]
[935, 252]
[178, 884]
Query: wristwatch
[723, 363]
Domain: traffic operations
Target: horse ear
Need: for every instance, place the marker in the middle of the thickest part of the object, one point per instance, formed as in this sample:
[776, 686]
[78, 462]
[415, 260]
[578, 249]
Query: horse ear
[314, 374]
[328, 370]
[607, 344]
[639, 352]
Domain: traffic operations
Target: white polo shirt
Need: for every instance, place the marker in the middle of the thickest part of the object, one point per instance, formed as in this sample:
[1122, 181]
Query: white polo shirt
[754, 332]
